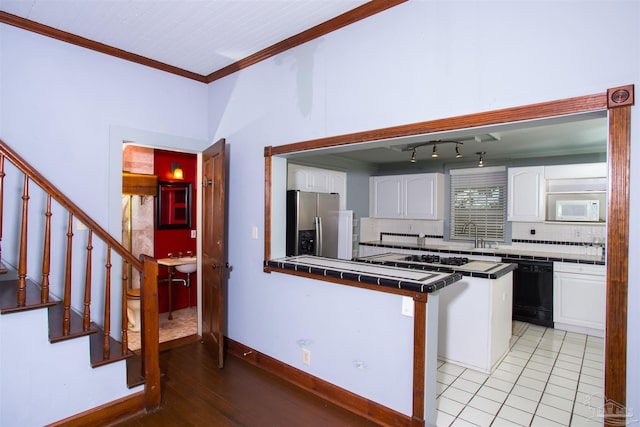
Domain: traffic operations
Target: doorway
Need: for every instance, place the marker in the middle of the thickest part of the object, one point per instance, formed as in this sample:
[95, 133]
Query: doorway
[169, 179]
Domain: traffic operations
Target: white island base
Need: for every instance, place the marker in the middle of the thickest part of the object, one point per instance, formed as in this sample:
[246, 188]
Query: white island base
[474, 325]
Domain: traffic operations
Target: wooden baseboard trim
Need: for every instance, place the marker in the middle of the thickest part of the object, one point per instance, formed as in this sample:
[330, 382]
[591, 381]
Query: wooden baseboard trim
[106, 414]
[330, 392]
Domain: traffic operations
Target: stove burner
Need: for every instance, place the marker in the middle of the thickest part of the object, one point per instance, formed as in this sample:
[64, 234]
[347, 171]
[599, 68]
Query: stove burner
[454, 261]
[435, 259]
[431, 259]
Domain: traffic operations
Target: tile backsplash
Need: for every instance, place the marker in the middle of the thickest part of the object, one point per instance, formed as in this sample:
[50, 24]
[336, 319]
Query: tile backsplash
[535, 236]
[370, 229]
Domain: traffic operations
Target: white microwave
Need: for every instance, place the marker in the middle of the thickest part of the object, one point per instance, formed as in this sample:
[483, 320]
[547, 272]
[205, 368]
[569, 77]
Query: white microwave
[577, 210]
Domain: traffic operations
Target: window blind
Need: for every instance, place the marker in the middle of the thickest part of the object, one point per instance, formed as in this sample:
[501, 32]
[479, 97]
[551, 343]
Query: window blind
[478, 196]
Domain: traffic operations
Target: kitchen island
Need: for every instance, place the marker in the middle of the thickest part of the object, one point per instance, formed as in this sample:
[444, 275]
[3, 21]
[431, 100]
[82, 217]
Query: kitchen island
[475, 315]
[423, 287]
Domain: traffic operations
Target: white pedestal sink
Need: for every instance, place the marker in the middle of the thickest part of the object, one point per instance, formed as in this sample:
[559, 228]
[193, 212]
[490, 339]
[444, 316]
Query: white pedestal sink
[189, 265]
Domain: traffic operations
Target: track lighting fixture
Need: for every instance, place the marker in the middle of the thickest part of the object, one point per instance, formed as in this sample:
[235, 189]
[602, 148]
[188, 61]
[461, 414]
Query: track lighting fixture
[481, 159]
[434, 151]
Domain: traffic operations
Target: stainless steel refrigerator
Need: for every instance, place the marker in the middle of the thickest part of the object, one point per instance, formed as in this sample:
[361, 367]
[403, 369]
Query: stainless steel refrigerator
[312, 223]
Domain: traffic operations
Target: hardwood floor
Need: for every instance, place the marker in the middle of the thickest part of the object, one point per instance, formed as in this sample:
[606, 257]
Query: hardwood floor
[196, 393]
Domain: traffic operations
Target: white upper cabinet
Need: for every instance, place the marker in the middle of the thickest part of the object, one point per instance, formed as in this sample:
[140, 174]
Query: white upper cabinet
[577, 171]
[305, 178]
[416, 196]
[526, 196]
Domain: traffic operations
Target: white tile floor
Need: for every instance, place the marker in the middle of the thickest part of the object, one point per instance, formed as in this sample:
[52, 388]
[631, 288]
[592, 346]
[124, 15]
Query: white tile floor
[549, 378]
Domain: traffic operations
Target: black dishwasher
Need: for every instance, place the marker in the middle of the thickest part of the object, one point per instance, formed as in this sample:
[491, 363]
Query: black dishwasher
[532, 291]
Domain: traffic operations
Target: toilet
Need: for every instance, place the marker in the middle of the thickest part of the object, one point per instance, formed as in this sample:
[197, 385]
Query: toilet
[133, 309]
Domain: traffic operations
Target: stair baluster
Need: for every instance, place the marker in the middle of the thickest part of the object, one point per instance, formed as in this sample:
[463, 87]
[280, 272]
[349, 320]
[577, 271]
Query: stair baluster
[46, 254]
[22, 260]
[67, 323]
[125, 318]
[2, 174]
[107, 307]
[86, 313]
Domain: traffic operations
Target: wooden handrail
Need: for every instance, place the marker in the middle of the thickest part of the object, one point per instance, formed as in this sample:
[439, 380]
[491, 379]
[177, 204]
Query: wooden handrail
[81, 215]
[146, 265]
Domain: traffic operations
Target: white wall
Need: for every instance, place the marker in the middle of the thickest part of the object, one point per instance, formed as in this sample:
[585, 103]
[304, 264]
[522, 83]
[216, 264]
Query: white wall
[61, 108]
[421, 60]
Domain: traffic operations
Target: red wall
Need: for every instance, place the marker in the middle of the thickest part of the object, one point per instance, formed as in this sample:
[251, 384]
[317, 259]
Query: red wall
[174, 241]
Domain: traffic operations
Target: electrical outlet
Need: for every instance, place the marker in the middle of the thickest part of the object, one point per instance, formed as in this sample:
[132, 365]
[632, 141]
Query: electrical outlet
[407, 306]
[306, 356]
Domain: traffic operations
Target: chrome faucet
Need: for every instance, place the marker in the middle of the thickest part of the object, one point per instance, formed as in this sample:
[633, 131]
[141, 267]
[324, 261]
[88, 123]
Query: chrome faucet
[464, 227]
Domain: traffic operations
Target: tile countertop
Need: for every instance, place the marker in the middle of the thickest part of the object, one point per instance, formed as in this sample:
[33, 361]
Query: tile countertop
[393, 277]
[480, 269]
[503, 252]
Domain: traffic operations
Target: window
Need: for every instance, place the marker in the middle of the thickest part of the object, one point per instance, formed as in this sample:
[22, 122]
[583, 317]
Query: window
[478, 196]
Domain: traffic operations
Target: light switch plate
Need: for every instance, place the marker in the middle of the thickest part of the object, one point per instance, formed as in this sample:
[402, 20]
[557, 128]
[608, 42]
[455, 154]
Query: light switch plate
[193, 234]
[407, 306]
[254, 232]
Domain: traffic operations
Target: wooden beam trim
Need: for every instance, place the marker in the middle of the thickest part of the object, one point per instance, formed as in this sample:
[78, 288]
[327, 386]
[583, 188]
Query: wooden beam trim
[74, 39]
[324, 389]
[419, 362]
[617, 255]
[418, 296]
[107, 414]
[575, 105]
[364, 11]
[267, 207]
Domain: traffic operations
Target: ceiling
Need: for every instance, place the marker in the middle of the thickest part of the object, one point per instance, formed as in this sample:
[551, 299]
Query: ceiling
[200, 36]
[205, 36]
[578, 135]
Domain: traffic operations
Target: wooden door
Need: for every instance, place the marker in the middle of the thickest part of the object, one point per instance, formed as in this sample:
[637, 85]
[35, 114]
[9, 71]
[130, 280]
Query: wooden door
[214, 263]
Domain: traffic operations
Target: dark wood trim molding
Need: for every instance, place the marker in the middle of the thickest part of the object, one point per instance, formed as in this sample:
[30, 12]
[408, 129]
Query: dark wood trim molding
[347, 18]
[618, 102]
[54, 33]
[267, 207]
[415, 295]
[106, 414]
[542, 110]
[617, 246]
[419, 363]
[330, 392]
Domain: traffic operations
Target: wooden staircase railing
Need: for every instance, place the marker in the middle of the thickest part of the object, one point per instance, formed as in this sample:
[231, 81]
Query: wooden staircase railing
[146, 266]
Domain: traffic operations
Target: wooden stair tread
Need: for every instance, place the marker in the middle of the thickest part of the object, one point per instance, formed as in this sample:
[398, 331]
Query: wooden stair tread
[115, 350]
[9, 297]
[56, 316]
[3, 269]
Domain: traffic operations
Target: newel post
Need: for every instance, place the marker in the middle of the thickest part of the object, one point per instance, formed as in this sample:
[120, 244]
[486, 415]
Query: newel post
[150, 332]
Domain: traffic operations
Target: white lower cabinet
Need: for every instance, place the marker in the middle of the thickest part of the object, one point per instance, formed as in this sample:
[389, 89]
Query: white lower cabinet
[474, 322]
[579, 297]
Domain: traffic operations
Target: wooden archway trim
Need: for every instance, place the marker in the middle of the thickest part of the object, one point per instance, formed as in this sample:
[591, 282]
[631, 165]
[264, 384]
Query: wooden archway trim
[618, 102]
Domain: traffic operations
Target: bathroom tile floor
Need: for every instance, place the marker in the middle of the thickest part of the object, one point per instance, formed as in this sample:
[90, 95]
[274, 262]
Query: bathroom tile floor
[549, 378]
[184, 323]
